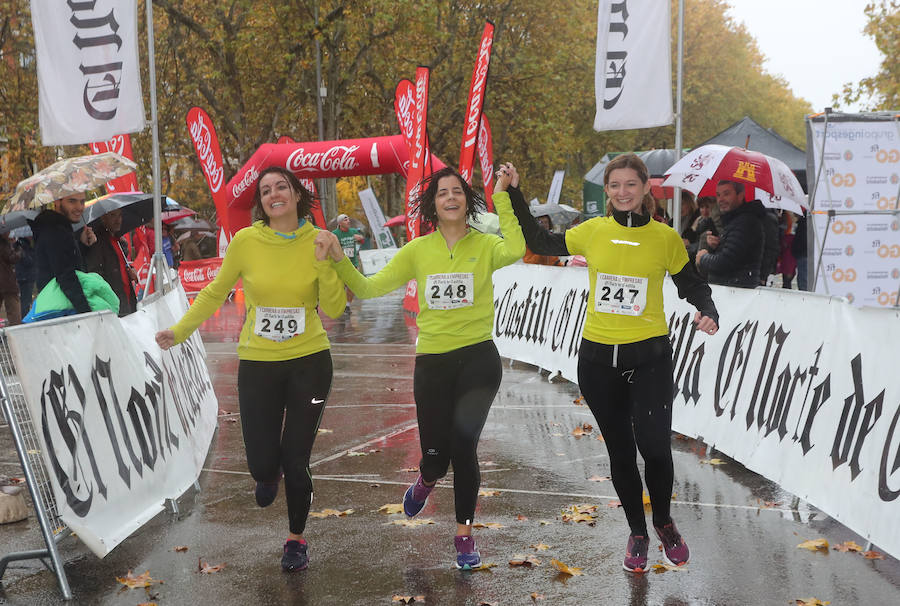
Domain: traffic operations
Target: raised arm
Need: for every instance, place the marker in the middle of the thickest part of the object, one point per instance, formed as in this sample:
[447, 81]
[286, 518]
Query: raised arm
[540, 240]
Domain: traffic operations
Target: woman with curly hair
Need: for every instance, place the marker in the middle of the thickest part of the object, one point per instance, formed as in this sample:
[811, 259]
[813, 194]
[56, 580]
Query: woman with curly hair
[458, 369]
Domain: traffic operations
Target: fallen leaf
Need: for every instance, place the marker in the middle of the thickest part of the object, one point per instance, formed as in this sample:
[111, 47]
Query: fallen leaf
[412, 523]
[488, 493]
[847, 546]
[579, 517]
[484, 566]
[872, 555]
[810, 602]
[356, 453]
[17, 480]
[391, 508]
[487, 525]
[660, 568]
[135, 582]
[583, 430]
[712, 461]
[579, 401]
[521, 518]
[581, 508]
[181, 548]
[814, 545]
[330, 512]
[524, 560]
[596, 478]
[410, 469]
[408, 599]
[767, 504]
[208, 568]
[540, 547]
[535, 596]
[147, 604]
[556, 435]
[614, 504]
[545, 522]
[565, 568]
[646, 499]
[323, 430]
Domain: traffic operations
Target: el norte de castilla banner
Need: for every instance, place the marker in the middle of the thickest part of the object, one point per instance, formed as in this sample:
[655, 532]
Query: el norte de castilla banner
[800, 388]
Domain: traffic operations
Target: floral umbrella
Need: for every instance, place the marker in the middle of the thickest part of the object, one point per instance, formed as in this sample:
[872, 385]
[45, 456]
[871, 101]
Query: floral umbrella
[66, 177]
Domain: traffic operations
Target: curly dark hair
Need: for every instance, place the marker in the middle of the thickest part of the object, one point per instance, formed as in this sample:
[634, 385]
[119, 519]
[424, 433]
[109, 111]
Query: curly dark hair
[306, 197]
[425, 203]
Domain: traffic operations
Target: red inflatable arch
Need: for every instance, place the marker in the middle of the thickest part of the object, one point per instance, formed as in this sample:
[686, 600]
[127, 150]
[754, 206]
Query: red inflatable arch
[314, 160]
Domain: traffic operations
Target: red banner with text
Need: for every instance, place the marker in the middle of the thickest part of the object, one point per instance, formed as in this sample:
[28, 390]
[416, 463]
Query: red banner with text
[120, 144]
[206, 144]
[486, 159]
[195, 275]
[418, 154]
[475, 103]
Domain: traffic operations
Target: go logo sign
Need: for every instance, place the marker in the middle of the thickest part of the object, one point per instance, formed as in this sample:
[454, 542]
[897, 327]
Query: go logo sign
[844, 227]
[892, 251]
[844, 275]
[887, 298]
[885, 203]
[843, 180]
[891, 156]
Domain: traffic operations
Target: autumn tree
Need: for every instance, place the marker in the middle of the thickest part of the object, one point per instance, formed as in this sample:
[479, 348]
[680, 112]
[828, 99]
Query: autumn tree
[883, 89]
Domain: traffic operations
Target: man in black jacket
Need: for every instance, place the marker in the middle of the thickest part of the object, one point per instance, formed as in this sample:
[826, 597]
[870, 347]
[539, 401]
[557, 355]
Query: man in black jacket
[735, 257]
[107, 259]
[57, 254]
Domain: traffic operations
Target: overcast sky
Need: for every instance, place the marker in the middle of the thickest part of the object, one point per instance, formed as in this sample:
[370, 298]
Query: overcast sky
[816, 45]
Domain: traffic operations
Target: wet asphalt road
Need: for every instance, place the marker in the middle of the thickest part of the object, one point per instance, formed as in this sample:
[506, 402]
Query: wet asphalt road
[743, 530]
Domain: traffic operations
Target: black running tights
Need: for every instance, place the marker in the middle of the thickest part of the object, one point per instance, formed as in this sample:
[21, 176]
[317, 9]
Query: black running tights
[281, 406]
[632, 403]
[454, 392]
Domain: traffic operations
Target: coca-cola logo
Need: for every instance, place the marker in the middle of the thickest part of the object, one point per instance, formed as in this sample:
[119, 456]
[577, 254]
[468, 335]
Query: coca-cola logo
[336, 158]
[478, 80]
[487, 169]
[116, 144]
[202, 137]
[200, 274]
[405, 104]
[246, 181]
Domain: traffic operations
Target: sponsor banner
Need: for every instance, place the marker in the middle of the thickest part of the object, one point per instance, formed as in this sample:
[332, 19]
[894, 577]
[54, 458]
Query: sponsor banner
[89, 77]
[373, 260]
[816, 411]
[857, 256]
[405, 110]
[120, 144]
[475, 103]
[633, 69]
[419, 157]
[486, 159]
[206, 144]
[556, 187]
[381, 234]
[195, 275]
[122, 425]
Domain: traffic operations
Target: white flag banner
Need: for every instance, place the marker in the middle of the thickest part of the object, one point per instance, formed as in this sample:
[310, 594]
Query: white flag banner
[556, 187]
[89, 77]
[633, 71]
[381, 234]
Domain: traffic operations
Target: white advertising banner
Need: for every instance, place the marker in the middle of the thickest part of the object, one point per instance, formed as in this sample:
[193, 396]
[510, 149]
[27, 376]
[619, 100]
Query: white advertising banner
[89, 76]
[122, 425]
[373, 260]
[556, 187]
[860, 171]
[633, 69]
[781, 388]
[381, 234]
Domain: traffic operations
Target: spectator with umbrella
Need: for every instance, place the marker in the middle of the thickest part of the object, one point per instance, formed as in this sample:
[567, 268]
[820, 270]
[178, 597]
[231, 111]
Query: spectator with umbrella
[105, 257]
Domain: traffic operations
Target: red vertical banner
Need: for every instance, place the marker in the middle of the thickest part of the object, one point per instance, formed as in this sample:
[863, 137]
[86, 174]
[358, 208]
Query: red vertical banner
[486, 159]
[405, 108]
[475, 103]
[418, 154]
[206, 144]
[315, 210]
[120, 144]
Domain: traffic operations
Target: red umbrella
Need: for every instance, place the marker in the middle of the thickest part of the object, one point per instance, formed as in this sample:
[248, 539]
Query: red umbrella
[702, 168]
[398, 220]
[659, 192]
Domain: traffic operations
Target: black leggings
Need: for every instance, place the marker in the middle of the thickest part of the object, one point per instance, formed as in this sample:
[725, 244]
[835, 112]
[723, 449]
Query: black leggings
[632, 403]
[281, 406]
[454, 392]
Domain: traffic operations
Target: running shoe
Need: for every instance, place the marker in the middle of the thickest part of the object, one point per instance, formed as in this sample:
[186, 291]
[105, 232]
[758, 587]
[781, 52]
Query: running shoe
[636, 553]
[295, 556]
[467, 556]
[675, 550]
[267, 491]
[415, 497]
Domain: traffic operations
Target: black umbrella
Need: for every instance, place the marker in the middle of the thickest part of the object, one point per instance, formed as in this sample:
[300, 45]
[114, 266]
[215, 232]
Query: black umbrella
[16, 219]
[136, 207]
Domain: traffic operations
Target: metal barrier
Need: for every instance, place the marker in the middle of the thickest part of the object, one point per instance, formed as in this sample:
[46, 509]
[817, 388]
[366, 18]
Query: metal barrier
[28, 447]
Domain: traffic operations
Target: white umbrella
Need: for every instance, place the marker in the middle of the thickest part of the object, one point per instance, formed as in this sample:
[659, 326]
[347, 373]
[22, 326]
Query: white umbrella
[560, 214]
[486, 223]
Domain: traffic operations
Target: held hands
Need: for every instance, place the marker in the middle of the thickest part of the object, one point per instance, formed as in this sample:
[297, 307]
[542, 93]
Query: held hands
[328, 244]
[165, 339]
[88, 237]
[705, 324]
[506, 175]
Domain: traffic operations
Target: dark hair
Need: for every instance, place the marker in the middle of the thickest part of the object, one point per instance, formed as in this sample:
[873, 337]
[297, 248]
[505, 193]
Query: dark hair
[303, 205]
[736, 185]
[633, 162]
[425, 202]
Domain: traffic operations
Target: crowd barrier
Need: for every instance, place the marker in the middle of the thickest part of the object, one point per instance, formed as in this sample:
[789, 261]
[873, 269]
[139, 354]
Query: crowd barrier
[800, 388]
[107, 427]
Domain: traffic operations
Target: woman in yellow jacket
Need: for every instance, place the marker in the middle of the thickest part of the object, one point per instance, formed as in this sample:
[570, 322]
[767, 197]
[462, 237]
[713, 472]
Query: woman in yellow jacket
[285, 369]
[458, 368]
